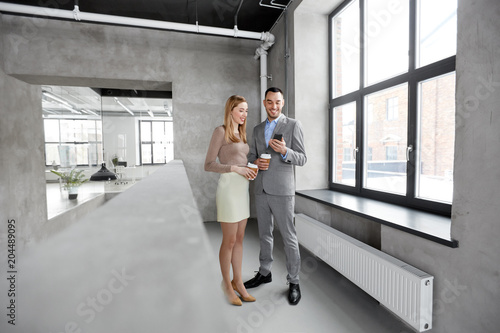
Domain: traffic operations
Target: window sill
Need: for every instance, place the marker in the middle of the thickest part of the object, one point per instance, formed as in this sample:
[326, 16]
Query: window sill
[422, 224]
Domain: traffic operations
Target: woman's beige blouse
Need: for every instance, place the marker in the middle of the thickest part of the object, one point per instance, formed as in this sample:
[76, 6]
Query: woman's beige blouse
[234, 153]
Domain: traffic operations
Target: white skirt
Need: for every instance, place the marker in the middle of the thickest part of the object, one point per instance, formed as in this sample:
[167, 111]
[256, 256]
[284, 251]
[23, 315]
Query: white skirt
[232, 198]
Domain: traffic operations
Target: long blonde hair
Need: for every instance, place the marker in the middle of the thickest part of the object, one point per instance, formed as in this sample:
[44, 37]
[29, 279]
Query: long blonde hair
[231, 103]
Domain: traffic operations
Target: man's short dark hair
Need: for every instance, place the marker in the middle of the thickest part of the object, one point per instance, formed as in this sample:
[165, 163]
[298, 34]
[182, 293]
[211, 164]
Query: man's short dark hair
[274, 90]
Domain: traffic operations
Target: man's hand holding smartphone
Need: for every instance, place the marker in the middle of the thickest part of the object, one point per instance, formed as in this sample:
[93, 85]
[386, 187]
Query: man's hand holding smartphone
[278, 144]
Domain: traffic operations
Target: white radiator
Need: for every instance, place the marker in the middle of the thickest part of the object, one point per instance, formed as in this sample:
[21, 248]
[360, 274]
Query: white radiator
[403, 289]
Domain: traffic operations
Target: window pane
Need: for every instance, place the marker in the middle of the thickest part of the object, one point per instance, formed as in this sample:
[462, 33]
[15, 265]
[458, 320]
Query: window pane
[386, 39]
[344, 127]
[158, 142]
[169, 135]
[52, 154]
[345, 43]
[392, 108]
[386, 141]
[98, 130]
[436, 138]
[145, 131]
[158, 153]
[67, 131]
[437, 30]
[158, 131]
[146, 154]
[92, 131]
[51, 130]
[95, 150]
[82, 154]
[80, 130]
[67, 155]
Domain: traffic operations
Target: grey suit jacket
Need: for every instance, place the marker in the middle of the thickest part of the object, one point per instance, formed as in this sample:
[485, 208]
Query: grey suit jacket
[279, 179]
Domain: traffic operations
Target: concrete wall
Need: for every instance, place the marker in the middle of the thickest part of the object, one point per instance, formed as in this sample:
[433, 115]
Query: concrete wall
[303, 78]
[203, 72]
[311, 93]
[22, 176]
[467, 279]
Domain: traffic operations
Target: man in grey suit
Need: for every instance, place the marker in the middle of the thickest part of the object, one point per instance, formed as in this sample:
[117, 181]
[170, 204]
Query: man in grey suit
[283, 139]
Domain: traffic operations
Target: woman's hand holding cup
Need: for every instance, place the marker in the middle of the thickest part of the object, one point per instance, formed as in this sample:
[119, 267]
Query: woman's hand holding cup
[253, 170]
[245, 171]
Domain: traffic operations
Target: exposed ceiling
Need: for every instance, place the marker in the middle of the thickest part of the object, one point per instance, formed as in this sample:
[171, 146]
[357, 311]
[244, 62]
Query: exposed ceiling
[84, 102]
[254, 15]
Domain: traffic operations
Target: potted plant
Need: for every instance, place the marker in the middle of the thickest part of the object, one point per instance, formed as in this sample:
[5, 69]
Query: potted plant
[114, 160]
[71, 181]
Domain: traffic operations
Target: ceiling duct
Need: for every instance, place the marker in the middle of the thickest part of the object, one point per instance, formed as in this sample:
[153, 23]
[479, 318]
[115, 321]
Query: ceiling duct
[78, 15]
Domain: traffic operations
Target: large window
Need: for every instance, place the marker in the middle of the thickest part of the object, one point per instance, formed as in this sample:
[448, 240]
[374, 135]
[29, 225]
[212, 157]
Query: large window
[393, 101]
[70, 142]
[157, 142]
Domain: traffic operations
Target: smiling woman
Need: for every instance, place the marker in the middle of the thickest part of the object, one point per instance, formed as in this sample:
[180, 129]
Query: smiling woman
[229, 146]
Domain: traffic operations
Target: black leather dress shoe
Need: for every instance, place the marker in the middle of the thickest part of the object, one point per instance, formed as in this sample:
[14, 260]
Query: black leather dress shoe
[294, 294]
[257, 280]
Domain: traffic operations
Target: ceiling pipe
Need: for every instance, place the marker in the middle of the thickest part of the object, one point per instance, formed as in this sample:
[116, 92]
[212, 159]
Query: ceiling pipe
[236, 15]
[284, 9]
[76, 14]
[261, 53]
[266, 37]
[272, 5]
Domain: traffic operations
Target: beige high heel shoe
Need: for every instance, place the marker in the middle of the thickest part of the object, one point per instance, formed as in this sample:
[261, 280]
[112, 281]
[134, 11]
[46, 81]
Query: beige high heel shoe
[235, 301]
[250, 298]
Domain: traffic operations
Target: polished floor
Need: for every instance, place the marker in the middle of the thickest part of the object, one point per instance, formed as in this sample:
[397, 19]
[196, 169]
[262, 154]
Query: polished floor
[57, 197]
[330, 302]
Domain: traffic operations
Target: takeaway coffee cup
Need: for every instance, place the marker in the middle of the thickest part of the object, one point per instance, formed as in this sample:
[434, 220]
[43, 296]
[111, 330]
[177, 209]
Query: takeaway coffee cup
[254, 167]
[266, 158]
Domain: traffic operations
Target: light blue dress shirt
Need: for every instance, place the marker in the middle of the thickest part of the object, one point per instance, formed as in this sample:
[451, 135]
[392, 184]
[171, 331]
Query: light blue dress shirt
[269, 129]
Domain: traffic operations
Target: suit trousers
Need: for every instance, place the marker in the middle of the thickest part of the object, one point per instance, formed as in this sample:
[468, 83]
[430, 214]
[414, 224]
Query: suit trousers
[282, 209]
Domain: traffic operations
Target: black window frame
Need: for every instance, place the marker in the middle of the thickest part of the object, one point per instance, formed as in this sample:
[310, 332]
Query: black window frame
[150, 142]
[412, 77]
[74, 143]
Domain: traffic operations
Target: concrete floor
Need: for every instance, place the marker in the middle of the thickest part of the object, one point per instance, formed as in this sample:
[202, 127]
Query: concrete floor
[330, 302]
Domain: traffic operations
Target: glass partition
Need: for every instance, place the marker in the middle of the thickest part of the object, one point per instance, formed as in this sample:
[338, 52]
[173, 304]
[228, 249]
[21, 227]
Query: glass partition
[86, 128]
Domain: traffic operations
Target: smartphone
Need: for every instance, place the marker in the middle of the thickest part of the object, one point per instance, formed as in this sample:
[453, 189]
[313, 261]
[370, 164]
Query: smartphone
[278, 137]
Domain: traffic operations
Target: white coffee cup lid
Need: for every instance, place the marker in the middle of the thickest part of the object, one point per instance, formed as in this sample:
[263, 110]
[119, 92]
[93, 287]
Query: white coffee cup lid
[265, 155]
[251, 165]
